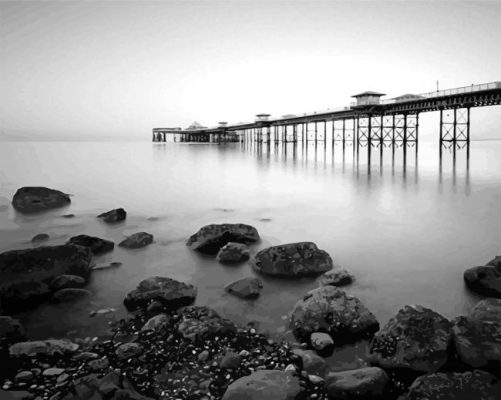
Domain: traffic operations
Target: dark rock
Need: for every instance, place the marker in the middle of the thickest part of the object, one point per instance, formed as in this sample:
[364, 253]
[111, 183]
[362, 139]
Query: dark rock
[363, 383]
[95, 244]
[11, 328]
[337, 277]
[68, 216]
[232, 253]
[269, 384]
[31, 199]
[170, 293]
[202, 322]
[113, 216]
[417, 339]
[41, 237]
[24, 376]
[66, 282]
[488, 310]
[99, 364]
[137, 240]
[22, 294]
[128, 350]
[155, 323]
[471, 385]
[312, 363]
[485, 280]
[69, 295]
[292, 260]
[211, 238]
[322, 342]
[48, 347]
[329, 309]
[246, 288]
[230, 360]
[155, 307]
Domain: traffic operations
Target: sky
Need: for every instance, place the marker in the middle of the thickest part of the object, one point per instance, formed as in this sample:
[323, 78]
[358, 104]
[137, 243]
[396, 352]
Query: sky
[114, 70]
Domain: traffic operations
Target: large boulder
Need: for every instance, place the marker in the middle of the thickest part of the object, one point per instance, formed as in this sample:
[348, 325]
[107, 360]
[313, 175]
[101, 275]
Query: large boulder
[265, 384]
[47, 347]
[66, 282]
[416, 339]
[364, 383]
[471, 385]
[113, 216]
[329, 309]
[292, 260]
[137, 240]
[95, 244]
[246, 288]
[201, 322]
[31, 199]
[486, 279]
[211, 238]
[232, 253]
[170, 293]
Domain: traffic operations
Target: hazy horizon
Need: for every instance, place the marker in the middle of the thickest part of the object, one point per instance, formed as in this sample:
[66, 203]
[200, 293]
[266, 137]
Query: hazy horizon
[115, 70]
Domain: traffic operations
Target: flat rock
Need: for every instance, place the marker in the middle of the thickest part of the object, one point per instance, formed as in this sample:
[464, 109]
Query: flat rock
[170, 293]
[66, 282]
[114, 264]
[292, 260]
[265, 384]
[129, 350]
[69, 295]
[30, 199]
[365, 383]
[471, 385]
[51, 372]
[200, 322]
[486, 279]
[329, 309]
[416, 339]
[246, 288]
[232, 253]
[47, 347]
[95, 244]
[336, 277]
[41, 237]
[24, 376]
[113, 216]
[137, 240]
[211, 238]
[11, 328]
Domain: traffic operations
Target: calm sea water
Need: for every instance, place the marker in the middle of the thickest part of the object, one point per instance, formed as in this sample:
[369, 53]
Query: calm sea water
[405, 230]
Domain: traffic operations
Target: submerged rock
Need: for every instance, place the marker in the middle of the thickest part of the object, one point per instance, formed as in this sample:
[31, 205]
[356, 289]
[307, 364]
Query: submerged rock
[337, 277]
[137, 240]
[211, 238]
[48, 347]
[31, 199]
[416, 339]
[329, 309]
[246, 288]
[113, 216]
[95, 244]
[41, 237]
[70, 295]
[292, 260]
[170, 293]
[485, 280]
[232, 253]
[22, 294]
[66, 282]
[199, 322]
[364, 383]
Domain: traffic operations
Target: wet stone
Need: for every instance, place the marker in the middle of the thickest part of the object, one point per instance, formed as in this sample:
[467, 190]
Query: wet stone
[30, 199]
[137, 240]
[232, 253]
[113, 216]
[41, 237]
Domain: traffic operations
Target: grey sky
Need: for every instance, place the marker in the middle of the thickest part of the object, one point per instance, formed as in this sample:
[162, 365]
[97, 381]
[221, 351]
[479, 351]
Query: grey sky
[118, 69]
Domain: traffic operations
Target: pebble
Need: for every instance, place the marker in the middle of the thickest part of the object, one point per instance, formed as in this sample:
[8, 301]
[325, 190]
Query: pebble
[53, 372]
[24, 376]
[315, 379]
[204, 355]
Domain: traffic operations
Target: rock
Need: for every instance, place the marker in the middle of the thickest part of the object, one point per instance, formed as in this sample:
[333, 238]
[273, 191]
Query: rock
[330, 310]
[312, 363]
[95, 244]
[155, 307]
[51, 372]
[68, 216]
[246, 288]
[230, 360]
[155, 323]
[416, 338]
[22, 294]
[292, 260]
[322, 342]
[137, 240]
[478, 385]
[337, 277]
[232, 253]
[102, 311]
[201, 322]
[70, 295]
[24, 376]
[315, 379]
[488, 310]
[107, 266]
[100, 364]
[66, 282]
[31, 199]
[170, 293]
[49, 347]
[128, 350]
[41, 237]
[113, 216]
[366, 383]
[485, 280]
[11, 328]
[86, 356]
[211, 238]
[203, 356]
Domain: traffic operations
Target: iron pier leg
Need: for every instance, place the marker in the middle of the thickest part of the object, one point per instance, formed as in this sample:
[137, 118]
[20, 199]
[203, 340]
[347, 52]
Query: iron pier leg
[316, 137]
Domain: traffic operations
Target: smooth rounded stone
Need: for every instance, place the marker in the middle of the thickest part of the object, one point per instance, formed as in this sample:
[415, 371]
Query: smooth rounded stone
[321, 341]
[41, 237]
[198, 322]
[365, 383]
[488, 310]
[486, 279]
[292, 260]
[95, 244]
[232, 253]
[30, 199]
[416, 338]
[98, 365]
[329, 309]
[69, 295]
[336, 277]
[113, 216]
[67, 282]
[312, 363]
[230, 360]
[155, 323]
[265, 384]
[137, 240]
[51, 372]
[471, 385]
[211, 238]
[246, 288]
[24, 376]
[128, 350]
[49, 347]
[170, 293]
[11, 328]
[22, 294]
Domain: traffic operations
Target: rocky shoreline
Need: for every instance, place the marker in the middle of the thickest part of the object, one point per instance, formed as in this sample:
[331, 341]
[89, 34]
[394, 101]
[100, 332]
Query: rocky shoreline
[168, 348]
